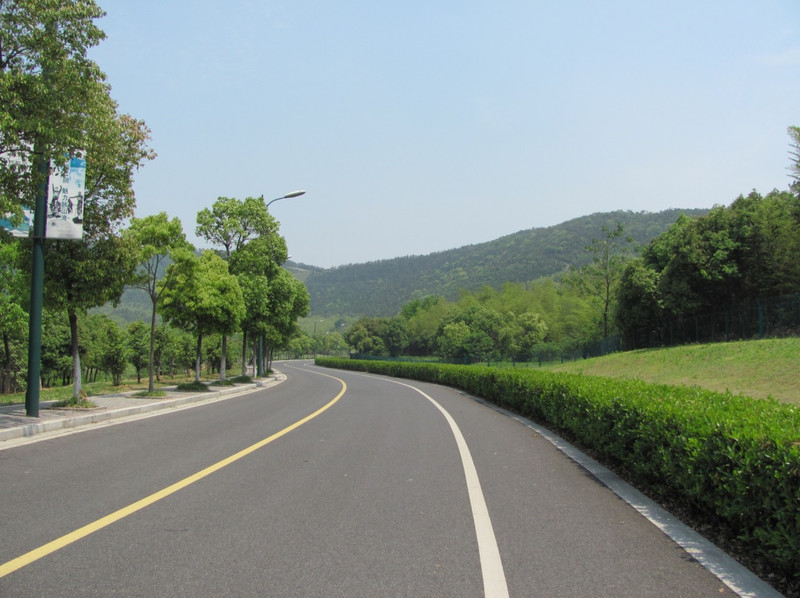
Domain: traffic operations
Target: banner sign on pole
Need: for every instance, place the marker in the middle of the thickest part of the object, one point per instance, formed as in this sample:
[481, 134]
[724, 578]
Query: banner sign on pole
[65, 201]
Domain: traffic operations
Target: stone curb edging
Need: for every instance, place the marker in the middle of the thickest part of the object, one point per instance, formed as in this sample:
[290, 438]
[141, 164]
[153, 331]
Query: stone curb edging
[736, 576]
[97, 416]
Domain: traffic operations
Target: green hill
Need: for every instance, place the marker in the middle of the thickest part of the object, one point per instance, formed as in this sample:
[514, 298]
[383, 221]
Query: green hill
[759, 369]
[381, 288]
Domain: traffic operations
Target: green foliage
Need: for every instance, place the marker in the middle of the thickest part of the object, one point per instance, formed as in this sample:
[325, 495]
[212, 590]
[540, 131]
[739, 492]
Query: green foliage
[159, 241]
[730, 461]
[116, 352]
[139, 347]
[731, 255]
[231, 222]
[205, 298]
[381, 288]
[56, 349]
[195, 386]
[48, 88]
[366, 336]
[486, 325]
[13, 317]
[599, 278]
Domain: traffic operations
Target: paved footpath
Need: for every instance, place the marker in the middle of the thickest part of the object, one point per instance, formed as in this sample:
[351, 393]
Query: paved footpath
[14, 423]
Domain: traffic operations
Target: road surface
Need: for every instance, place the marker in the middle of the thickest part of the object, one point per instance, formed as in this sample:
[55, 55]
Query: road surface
[330, 484]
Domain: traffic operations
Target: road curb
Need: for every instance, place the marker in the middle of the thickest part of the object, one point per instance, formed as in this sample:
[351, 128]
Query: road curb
[101, 415]
[736, 576]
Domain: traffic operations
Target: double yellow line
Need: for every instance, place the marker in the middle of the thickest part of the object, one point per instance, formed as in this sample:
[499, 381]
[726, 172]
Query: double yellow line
[50, 547]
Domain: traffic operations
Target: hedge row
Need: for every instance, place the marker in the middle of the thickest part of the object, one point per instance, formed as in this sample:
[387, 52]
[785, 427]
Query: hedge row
[731, 461]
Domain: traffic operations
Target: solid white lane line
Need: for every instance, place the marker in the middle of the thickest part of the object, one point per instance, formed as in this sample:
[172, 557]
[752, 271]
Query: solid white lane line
[494, 577]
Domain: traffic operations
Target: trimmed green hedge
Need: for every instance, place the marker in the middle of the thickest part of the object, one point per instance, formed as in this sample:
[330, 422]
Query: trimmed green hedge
[731, 461]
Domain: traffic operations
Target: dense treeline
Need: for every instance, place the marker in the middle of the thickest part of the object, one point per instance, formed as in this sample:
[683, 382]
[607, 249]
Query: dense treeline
[515, 323]
[381, 288]
[733, 255]
[110, 350]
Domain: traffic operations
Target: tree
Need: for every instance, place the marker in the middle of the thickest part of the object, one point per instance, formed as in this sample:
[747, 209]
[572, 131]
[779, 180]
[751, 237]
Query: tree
[205, 298]
[521, 334]
[140, 347]
[423, 320]
[56, 104]
[115, 352]
[453, 341]
[366, 336]
[231, 223]
[288, 301]
[157, 239]
[47, 84]
[601, 275]
[85, 275]
[734, 254]
[12, 316]
[256, 264]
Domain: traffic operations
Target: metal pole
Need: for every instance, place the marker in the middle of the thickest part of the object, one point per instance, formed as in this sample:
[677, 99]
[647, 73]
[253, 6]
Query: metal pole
[37, 289]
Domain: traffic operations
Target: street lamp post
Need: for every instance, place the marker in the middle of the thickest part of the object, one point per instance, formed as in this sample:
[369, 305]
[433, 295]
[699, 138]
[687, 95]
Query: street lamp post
[287, 196]
[260, 343]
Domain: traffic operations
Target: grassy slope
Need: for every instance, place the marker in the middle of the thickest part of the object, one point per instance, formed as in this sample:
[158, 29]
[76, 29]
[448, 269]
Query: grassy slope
[759, 369]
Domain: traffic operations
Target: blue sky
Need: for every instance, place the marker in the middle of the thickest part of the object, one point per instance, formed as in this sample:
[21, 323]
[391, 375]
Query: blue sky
[420, 126]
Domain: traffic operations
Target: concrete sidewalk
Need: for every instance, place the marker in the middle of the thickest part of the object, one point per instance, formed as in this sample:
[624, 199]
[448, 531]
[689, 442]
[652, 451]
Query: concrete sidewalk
[15, 424]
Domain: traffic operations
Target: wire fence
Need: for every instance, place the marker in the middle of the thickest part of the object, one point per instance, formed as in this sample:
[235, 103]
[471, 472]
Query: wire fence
[768, 317]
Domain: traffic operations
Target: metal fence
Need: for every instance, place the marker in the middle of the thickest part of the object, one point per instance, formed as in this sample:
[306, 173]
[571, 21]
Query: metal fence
[768, 317]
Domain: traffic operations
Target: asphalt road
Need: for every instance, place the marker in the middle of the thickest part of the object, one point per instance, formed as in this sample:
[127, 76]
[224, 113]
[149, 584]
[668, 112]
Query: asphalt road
[370, 496]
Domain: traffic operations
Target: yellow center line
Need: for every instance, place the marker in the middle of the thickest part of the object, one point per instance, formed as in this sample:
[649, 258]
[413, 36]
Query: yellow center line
[50, 547]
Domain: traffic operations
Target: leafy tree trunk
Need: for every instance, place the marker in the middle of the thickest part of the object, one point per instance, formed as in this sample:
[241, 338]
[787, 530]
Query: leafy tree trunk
[199, 357]
[76, 356]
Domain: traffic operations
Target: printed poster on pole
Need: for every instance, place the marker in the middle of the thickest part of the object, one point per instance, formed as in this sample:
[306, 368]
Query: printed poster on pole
[65, 193]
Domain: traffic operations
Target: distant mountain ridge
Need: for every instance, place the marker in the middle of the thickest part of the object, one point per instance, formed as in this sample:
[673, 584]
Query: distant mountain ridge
[382, 287]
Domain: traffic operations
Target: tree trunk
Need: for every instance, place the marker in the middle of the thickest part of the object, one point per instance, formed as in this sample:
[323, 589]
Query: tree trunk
[223, 358]
[6, 364]
[244, 352]
[151, 387]
[198, 358]
[76, 356]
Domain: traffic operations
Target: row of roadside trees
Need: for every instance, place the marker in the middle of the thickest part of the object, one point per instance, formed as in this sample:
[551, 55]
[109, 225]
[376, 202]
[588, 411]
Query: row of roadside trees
[55, 103]
[199, 293]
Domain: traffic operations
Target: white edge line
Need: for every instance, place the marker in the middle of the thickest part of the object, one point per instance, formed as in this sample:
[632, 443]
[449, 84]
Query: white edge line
[728, 570]
[494, 578]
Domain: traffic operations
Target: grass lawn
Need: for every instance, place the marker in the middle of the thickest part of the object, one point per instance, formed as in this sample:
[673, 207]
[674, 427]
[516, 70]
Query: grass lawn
[758, 369]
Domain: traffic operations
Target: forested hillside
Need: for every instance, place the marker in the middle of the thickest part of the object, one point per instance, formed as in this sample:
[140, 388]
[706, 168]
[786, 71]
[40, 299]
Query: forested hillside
[381, 288]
